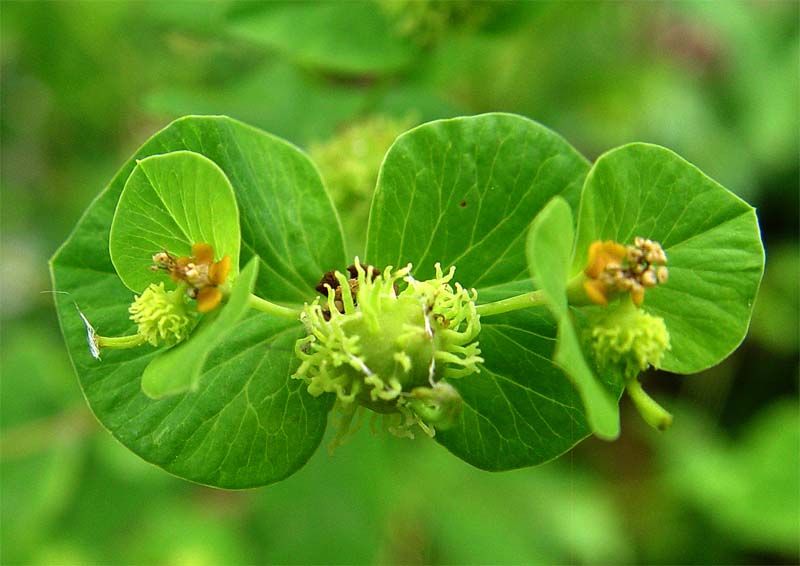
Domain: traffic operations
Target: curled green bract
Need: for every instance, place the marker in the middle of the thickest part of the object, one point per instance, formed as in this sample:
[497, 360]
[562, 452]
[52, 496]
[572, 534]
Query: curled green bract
[438, 405]
[388, 350]
[162, 317]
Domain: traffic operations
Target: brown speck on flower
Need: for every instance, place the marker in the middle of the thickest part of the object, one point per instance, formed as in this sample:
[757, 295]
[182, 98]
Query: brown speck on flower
[614, 268]
[199, 271]
[330, 280]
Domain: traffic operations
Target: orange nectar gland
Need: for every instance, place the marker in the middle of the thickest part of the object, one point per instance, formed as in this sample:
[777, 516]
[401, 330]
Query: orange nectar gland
[200, 272]
[614, 268]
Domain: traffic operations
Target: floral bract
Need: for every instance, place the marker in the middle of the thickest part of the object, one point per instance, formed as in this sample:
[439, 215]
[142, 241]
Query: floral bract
[461, 190]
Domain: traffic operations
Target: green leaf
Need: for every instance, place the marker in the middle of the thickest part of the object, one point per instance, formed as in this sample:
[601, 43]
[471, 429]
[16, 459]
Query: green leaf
[171, 202]
[711, 237]
[549, 251]
[178, 369]
[352, 39]
[247, 423]
[463, 192]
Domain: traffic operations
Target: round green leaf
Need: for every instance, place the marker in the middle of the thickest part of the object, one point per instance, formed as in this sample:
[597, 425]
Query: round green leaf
[247, 423]
[171, 202]
[711, 237]
[464, 192]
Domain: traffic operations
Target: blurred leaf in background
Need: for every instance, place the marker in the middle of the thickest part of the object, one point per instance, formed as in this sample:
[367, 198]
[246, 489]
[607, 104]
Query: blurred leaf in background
[349, 164]
[745, 488]
[85, 83]
[43, 422]
[776, 319]
[350, 39]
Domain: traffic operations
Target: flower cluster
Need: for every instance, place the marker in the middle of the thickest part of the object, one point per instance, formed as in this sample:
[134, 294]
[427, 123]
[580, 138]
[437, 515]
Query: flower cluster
[625, 335]
[386, 349]
[165, 317]
[425, 21]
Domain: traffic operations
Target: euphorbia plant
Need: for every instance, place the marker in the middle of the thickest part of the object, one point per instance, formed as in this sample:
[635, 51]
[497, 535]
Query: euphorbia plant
[508, 293]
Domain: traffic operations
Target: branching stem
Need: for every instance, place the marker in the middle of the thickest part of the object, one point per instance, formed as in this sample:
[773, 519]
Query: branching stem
[266, 306]
[119, 342]
[654, 414]
[517, 302]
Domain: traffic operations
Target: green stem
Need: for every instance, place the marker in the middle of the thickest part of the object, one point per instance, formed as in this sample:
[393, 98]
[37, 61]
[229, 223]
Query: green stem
[264, 305]
[654, 414]
[119, 342]
[515, 303]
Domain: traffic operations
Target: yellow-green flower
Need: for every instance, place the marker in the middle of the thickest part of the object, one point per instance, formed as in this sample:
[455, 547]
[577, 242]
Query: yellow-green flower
[163, 317]
[630, 337]
[389, 350]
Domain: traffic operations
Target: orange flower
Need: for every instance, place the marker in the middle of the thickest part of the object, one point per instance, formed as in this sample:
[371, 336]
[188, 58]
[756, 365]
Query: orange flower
[596, 291]
[603, 255]
[208, 298]
[199, 271]
[613, 268]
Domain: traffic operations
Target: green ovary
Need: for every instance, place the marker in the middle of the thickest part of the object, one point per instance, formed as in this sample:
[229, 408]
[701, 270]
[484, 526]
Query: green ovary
[388, 351]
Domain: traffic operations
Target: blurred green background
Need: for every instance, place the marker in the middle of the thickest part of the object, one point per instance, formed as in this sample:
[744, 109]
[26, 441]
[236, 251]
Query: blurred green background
[85, 83]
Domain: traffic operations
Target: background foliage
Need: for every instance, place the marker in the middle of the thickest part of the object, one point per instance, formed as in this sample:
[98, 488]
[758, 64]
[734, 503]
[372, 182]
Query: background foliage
[84, 84]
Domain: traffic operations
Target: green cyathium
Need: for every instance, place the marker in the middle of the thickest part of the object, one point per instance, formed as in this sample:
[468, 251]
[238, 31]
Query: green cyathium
[163, 317]
[629, 337]
[387, 349]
